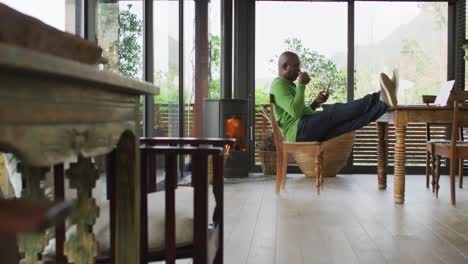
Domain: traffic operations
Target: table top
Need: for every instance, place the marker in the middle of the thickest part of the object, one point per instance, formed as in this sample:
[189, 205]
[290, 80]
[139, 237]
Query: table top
[16, 59]
[404, 114]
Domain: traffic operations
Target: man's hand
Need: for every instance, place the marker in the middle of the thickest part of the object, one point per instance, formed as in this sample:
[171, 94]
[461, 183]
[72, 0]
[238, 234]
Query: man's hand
[322, 97]
[304, 78]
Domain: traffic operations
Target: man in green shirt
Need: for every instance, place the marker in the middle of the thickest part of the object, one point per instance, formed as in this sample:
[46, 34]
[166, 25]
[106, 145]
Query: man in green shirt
[299, 122]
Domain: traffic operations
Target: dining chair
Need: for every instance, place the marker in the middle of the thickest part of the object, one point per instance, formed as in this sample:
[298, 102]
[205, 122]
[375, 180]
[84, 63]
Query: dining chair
[452, 149]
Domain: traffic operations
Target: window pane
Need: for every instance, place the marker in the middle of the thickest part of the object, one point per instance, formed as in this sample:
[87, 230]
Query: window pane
[189, 65]
[317, 32]
[166, 67]
[409, 36]
[120, 34]
[214, 48]
[57, 13]
[322, 48]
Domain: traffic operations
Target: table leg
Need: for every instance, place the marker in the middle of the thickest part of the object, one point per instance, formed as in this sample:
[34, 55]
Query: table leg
[382, 155]
[400, 148]
[127, 200]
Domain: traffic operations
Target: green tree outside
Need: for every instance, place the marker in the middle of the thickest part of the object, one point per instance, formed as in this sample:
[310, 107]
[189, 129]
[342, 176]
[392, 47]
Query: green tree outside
[322, 71]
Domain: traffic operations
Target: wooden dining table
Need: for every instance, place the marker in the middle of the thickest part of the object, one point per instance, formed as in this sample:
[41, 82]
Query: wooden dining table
[401, 116]
[57, 113]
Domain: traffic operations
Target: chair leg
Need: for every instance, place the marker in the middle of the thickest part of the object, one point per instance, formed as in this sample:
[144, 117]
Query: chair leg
[318, 172]
[452, 181]
[321, 170]
[437, 177]
[433, 167]
[460, 173]
[279, 169]
[284, 169]
[428, 168]
[219, 258]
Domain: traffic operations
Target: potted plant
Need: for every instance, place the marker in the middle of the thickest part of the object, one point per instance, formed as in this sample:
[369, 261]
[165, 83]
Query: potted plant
[267, 153]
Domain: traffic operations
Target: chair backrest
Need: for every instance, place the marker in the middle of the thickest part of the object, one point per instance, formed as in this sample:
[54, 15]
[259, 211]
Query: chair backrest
[276, 131]
[459, 97]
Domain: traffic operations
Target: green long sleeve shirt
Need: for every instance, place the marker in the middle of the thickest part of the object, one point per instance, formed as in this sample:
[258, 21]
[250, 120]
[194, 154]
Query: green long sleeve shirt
[289, 106]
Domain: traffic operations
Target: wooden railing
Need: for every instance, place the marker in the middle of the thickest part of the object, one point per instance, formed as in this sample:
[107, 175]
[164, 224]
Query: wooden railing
[365, 145]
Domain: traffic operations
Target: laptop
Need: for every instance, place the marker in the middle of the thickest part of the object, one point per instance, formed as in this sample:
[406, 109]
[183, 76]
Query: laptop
[444, 93]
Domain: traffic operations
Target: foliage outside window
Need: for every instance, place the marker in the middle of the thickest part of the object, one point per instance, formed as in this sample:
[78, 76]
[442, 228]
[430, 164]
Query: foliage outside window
[120, 36]
[322, 71]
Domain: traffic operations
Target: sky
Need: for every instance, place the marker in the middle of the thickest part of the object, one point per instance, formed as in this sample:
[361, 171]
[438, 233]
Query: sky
[321, 26]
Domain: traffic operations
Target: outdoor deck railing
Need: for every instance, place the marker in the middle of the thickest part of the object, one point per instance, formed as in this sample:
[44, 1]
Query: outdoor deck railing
[365, 145]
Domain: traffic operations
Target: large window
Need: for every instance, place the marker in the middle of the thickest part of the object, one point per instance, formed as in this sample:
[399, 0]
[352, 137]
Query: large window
[189, 66]
[120, 34]
[409, 36]
[317, 32]
[166, 67]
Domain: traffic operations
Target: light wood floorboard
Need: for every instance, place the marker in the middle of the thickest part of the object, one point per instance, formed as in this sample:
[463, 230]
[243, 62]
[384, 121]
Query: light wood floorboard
[350, 222]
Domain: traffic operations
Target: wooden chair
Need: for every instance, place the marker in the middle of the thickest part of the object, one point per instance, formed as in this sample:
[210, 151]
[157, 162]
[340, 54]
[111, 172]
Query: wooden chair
[283, 148]
[198, 249]
[451, 149]
[430, 159]
[218, 181]
[155, 204]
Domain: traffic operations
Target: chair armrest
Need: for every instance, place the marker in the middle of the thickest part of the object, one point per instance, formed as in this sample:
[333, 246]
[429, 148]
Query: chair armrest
[429, 99]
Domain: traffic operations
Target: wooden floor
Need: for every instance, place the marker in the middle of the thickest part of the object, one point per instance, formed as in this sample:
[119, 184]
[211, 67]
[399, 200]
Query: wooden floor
[350, 222]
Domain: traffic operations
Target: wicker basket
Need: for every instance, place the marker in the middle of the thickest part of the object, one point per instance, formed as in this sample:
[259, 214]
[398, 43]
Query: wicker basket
[268, 161]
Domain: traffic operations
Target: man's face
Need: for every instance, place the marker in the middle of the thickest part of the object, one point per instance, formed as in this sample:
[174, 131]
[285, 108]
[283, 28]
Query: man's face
[293, 68]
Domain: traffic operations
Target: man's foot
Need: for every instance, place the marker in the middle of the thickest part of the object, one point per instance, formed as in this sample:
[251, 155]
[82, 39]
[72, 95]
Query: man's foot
[387, 91]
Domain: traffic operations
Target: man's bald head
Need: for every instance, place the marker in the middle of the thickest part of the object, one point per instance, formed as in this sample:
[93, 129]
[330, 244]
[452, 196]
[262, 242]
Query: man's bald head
[288, 65]
[285, 58]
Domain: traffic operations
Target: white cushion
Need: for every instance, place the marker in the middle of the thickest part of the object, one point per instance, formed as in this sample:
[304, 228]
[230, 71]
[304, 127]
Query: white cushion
[156, 220]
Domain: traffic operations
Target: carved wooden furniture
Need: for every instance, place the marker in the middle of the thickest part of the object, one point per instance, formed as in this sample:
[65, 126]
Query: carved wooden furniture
[54, 111]
[401, 116]
[312, 151]
[451, 149]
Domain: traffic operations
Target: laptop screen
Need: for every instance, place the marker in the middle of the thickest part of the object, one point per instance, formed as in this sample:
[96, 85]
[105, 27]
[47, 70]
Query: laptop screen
[444, 93]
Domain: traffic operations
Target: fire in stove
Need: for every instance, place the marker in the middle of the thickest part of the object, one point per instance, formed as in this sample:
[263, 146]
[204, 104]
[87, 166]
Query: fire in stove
[235, 128]
[229, 118]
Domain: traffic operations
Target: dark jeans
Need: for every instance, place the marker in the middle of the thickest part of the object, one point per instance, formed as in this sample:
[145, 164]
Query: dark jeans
[338, 119]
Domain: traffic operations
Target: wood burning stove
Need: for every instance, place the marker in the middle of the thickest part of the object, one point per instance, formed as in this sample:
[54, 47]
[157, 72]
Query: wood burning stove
[229, 118]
